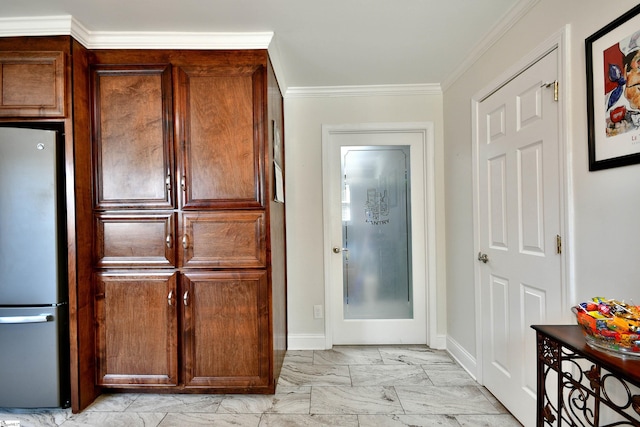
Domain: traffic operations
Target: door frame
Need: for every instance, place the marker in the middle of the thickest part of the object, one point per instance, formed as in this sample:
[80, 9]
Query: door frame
[559, 42]
[426, 129]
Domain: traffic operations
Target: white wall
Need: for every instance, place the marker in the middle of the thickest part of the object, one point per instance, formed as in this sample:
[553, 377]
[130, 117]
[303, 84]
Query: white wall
[303, 158]
[605, 205]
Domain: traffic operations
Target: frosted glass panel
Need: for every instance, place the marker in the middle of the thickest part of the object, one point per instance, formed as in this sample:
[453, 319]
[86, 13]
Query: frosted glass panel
[376, 230]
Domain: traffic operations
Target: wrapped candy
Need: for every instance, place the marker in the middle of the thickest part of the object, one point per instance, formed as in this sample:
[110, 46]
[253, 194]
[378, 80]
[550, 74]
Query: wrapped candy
[610, 324]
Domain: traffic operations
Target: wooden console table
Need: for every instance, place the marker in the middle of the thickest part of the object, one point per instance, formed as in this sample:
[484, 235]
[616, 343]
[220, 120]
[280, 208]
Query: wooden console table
[592, 387]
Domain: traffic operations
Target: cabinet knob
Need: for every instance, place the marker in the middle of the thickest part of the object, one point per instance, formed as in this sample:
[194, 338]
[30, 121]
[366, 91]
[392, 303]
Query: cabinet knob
[168, 180]
[169, 241]
[170, 298]
[185, 242]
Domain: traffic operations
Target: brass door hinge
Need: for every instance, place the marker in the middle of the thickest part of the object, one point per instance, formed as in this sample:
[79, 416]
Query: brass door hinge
[558, 244]
[555, 88]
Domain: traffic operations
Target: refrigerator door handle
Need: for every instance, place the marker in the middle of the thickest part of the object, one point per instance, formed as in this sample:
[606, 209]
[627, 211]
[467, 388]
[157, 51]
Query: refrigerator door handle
[42, 318]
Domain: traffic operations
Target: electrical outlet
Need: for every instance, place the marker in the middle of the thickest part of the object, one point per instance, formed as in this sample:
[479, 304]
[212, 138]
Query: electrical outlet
[317, 311]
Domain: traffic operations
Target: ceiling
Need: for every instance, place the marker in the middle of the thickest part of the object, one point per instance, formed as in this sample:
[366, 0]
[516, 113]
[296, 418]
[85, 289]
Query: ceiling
[324, 43]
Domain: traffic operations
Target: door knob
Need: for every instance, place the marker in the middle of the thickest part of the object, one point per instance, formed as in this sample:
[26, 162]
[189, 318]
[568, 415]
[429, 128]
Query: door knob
[337, 250]
[483, 257]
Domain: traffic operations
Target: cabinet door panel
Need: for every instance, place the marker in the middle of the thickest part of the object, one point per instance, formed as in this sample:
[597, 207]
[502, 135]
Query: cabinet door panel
[135, 240]
[136, 333]
[226, 329]
[223, 240]
[220, 133]
[32, 84]
[132, 137]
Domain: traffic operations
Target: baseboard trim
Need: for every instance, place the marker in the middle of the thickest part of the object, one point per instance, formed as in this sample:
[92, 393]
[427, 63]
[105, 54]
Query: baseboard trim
[463, 357]
[307, 342]
[319, 341]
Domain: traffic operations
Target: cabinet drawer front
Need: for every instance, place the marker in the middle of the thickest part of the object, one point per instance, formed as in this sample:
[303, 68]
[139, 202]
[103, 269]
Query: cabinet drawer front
[223, 240]
[33, 84]
[128, 240]
[221, 130]
[226, 337]
[136, 332]
[132, 137]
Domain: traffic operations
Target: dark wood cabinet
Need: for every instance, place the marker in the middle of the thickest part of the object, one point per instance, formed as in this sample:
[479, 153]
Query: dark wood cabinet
[126, 239]
[180, 184]
[32, 84]
[132, 137]
[136, 328]
[220, 133]
[223, 239]
[226, 330]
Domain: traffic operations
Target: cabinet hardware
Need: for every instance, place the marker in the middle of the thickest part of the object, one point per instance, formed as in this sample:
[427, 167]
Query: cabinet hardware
[185, 242]
[183, 183]
[169, 241]
[168, 180]
[170, 298]
[185, 298]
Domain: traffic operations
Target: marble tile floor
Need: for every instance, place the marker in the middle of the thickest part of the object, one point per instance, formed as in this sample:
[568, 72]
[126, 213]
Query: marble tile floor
[359, 386]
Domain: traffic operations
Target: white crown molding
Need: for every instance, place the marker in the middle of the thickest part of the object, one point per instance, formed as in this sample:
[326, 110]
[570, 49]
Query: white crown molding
[364, 90]
[36, 26]
[508, 21]
[177, 40]
[67, 25]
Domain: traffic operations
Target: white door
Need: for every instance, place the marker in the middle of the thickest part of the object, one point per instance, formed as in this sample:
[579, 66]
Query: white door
[375, 244]
[519, 218]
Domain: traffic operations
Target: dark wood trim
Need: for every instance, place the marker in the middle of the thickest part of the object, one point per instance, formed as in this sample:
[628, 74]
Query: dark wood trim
[83, 367]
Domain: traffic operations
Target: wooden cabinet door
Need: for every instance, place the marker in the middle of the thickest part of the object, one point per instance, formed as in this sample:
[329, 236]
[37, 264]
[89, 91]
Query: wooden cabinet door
[32, 84]
[220, 135]
[126, 239]
[136, 328]
[226, 329]
[132, 135]
[225, 239]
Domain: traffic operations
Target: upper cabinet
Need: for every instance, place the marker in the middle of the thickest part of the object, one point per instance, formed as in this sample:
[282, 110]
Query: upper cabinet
[132, 137]
[219, 116]
[32, 84]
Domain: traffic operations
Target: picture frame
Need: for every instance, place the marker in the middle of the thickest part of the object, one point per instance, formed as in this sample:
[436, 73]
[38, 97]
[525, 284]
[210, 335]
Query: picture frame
[613, 99]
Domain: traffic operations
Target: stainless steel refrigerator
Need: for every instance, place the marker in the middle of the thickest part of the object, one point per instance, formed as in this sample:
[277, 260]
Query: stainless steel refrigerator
[34, 349]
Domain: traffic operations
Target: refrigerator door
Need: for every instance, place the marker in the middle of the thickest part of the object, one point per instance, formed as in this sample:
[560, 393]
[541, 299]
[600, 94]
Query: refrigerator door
[29, 269]
[30, 359]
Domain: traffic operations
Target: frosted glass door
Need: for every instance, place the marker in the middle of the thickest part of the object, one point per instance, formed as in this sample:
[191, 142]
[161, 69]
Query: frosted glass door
[376, 232]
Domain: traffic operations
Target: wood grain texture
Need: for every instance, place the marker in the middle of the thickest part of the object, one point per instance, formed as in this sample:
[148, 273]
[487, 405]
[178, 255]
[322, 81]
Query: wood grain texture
[80, 234]
[125, 239]
[137, 328]
[132, 136]
[220, 134]
[277, 220]
[227, 239]
[220, 146]
[226, 329]
[32, 83]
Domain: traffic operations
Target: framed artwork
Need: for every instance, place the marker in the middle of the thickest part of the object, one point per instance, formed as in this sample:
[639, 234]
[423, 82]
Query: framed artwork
[613, 93]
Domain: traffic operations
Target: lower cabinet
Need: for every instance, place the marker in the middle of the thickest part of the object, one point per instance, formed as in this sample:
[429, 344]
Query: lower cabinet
[225, 329]
[196, 330]
[137, 329]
